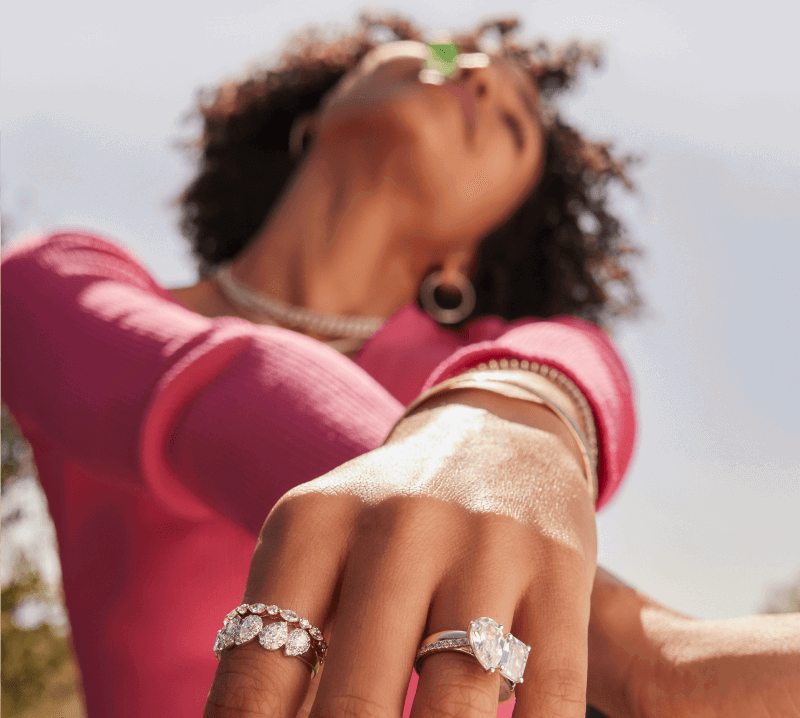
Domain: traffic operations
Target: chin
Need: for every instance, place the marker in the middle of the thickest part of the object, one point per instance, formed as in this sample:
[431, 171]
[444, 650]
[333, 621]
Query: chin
[408, 116]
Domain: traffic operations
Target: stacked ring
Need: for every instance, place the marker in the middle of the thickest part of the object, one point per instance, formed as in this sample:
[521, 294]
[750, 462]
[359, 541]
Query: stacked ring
[485, 642]
[296, 635]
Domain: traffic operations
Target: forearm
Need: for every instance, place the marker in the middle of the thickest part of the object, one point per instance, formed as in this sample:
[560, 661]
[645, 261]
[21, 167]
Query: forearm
[618, 644]
[647, 660]
[746, 666]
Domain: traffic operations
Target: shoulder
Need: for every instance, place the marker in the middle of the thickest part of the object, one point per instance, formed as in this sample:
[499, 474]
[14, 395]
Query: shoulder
[74, 240]
[78, 253]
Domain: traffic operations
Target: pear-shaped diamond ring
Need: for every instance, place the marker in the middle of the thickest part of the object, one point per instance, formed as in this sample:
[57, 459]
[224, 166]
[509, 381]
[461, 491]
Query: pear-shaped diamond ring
[484, 641]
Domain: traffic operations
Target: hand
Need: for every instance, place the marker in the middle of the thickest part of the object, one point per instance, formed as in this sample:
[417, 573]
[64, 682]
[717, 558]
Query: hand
[461, 515]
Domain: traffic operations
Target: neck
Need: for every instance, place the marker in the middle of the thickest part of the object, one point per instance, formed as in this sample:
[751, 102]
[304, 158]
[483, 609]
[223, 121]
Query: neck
[336, 242]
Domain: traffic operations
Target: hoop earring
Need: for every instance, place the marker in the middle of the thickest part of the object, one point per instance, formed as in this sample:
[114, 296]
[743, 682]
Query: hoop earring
[298, 133]
[443, 315]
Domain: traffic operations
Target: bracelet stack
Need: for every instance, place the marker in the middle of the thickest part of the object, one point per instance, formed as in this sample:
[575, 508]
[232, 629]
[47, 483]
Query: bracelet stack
[564, 383]
[491, 377]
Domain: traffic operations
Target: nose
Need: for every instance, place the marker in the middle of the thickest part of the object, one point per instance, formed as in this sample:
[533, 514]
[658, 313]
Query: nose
[484, 80]
[483, 75]
[479, 80]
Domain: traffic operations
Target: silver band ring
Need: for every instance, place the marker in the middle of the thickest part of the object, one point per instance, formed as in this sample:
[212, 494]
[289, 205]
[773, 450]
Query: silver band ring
[274, 628]
[485, 642]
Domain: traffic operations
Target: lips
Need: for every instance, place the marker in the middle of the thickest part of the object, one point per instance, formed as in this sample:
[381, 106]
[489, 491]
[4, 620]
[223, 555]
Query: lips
[466, 97]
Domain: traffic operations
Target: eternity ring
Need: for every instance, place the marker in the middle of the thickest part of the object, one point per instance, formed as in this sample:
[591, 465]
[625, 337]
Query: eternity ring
[485, 642]
[296, 635]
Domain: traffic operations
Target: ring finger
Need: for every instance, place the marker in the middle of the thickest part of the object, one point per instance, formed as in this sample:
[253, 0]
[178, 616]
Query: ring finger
[453, 683]
[251, 680]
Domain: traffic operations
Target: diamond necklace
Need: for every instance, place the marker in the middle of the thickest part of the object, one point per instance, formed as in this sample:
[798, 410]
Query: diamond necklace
[332, 325]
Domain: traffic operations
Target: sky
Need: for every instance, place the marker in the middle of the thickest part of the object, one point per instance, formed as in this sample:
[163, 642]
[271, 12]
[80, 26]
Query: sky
[98, 96]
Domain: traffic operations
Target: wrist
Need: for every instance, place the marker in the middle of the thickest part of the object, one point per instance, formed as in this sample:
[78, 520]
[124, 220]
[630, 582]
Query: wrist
[491, 425]
[536, 416]
[470, 412]
[515, 404]
[526, 469]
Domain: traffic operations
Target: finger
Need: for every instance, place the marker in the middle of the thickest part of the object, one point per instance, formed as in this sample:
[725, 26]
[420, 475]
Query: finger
[310, 696]
[386, 588]
[554, 621]
[251, 680]
[455, 684]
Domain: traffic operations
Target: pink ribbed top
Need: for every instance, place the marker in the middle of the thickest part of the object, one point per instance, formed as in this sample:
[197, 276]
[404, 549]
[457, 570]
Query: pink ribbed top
[163, 438]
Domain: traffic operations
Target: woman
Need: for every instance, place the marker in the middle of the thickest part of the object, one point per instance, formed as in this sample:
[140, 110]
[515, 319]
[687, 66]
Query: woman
[403, 178]
[167, 423]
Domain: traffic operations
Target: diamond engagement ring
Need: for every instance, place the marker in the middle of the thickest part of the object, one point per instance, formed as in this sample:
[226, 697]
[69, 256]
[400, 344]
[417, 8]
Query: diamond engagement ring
[274, 628]
[485, 642]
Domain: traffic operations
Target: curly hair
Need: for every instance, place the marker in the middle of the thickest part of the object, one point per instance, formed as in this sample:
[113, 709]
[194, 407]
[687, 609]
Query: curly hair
[561, 252]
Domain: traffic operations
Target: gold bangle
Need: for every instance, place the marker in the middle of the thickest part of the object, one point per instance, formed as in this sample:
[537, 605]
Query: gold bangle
[497, 382]
[563, 382]
[589, 466]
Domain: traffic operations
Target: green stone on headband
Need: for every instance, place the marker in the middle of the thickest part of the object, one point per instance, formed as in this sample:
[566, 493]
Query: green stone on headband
[442, 57]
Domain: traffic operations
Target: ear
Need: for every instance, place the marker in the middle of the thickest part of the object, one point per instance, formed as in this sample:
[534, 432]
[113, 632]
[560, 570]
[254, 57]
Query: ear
[302, 126]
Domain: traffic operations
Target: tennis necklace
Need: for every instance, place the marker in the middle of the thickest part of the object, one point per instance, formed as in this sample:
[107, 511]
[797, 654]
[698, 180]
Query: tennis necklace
[289, 315]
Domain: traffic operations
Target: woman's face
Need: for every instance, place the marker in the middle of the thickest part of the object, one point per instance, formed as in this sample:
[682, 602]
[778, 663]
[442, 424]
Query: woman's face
[463, 154]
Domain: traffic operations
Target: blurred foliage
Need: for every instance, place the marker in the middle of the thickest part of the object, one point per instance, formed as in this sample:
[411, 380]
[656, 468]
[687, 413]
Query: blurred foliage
[37, 664]
[39, 674]
[11, 444]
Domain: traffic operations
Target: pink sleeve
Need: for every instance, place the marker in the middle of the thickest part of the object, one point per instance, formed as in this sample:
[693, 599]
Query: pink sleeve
[586, 355]
[201, 412]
